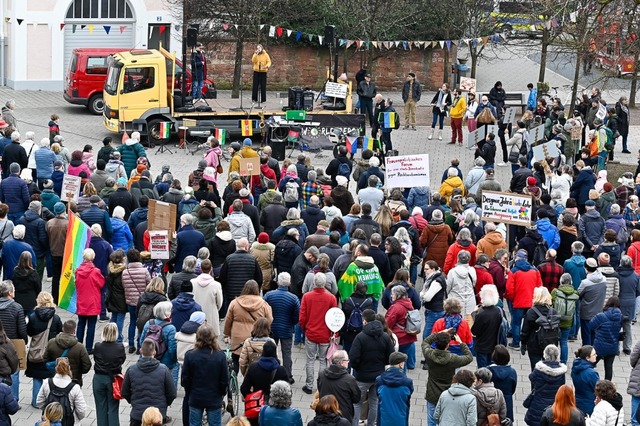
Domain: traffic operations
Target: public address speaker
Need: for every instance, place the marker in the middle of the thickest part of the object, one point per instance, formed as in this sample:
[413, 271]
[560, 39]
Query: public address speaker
[192, 37]
[329, 33]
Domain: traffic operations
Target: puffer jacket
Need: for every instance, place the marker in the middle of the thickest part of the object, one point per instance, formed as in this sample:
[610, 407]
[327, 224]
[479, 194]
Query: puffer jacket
[523, 279]
[14, 193]
[418, 197]
[285, 307]
[457, 406]
[629, 290]
[436, 238]
[36, 233]
[135, 278]
[89, 283]
[592, 292]
[489, 400]
[122, 237]
[147, 383]
[49, 198]
[236, 271]
[78, 357]
[546, 378]
[251, 347]
[130, 152]
[608, 412]
[242, 313]
[530, 328]
[452, 254]
[606, 326]
[186, 339]
[451, 183]
[116, 301]
[584, 377]
[183, 306]
[633, 388]
[264, 254]
[461, 282]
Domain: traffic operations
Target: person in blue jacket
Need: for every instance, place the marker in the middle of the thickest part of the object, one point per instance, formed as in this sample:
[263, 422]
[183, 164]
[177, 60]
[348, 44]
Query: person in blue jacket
[162, 313]
[533, 97]
[606, 327]
[548, 231]
[122, 238]
[183, 305]
[279, 411]
[504, 376]
[394, 390]
[585, 377]
[582, 184]
[8, 405]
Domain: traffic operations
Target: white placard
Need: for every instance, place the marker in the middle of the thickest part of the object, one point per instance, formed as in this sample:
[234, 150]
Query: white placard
[602, 112]
[334, 318]
[336, 90]
[551, 148]
[476, 136]
[492, 128]
[536, 134]
[468, 84]
[506, 207]
[407, 171]
[159, 244]
[509, 116]
[70, 188]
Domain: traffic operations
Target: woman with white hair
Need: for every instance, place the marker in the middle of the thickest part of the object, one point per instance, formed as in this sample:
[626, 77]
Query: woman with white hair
[291, 178]
[13, 248]
[546, 378]
[486, 325]
[89, 283]
[162, 318]
[463, 242]
[471, 221]
[279, 410]
[475, 176]
[531, 333]
[121, 238]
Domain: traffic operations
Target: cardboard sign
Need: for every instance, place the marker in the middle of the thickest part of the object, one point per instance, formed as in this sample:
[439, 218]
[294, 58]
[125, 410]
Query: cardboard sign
[506, 207]
[70, 188]
[159, 244]
[162, 216]
[476, 136]
[336, 90]
[21, 350]
[334, 319]
[536, 134]
[468, 84]
[249, 166]
[548, 149]
[509, 116]
[407, 171]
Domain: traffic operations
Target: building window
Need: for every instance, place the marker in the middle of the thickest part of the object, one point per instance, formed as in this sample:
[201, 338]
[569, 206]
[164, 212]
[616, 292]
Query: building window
[100, 9]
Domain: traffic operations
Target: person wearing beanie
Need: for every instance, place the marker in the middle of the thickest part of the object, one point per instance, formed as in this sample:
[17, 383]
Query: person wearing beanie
[591, 228]
[592, 291]
[57, 234]
[361, 165]
[12, 249]
[264, 252]
[36, 234]
[49, 198]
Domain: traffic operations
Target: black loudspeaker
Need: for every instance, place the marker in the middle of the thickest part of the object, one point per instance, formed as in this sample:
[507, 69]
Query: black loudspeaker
[192, 37]
[329, 34]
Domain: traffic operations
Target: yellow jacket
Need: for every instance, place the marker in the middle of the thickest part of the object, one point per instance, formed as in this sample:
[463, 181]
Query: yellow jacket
[447, 187]
[261, 62]
[458, 109]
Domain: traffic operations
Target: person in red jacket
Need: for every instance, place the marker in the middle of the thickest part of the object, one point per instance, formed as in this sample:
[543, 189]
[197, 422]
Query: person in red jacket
[463, 242]
[89, 282]
[482, 273]
[455, 324]
[313, 308]
[396, 319]
[523, 279]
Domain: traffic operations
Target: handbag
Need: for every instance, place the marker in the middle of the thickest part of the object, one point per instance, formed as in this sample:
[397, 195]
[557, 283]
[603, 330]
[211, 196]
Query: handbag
[333, 347]
[527, 402]
[514, 155]
[116, 385]
[254, 401]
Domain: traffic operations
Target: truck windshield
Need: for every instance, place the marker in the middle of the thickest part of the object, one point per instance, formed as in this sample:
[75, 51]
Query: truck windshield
[113, 76]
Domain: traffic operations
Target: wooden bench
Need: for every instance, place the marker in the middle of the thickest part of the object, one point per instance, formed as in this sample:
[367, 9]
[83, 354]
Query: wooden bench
[515, 100]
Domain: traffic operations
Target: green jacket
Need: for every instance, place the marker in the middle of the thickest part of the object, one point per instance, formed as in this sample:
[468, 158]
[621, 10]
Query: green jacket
[361, 269]
[568, 290]
[442, 366]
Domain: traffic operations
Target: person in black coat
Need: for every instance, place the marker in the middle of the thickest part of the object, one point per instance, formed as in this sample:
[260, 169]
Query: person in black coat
[220, 247]
[401, 277]
[273, 215]
[108, 357]
[264, 372]
[379, 256]
[335, 380]
[530, 241]
[115, 301]
[122, 197]
[237, 269]
[94, 214]
[488, 151]
[287, 251]
[27, 283]
[519, 179]
[13, 153]
[622, 111]
[187, 274]
[358, 298]
[497, 96]
[36, 234]
[486, 325]
[332, 168]
[39, 318]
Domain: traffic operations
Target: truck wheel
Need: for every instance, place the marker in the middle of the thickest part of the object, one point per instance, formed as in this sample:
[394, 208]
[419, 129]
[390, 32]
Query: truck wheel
[96, 104]
[153, 131]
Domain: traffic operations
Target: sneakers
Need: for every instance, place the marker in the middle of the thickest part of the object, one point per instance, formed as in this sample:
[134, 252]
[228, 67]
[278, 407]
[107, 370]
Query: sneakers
[451, 143]
[501, 164]
[132, 349]
[627, 351]
[300, 345]
[291, 380]
[307, 390]
[514, 347]
[413, 128]
[440, 135]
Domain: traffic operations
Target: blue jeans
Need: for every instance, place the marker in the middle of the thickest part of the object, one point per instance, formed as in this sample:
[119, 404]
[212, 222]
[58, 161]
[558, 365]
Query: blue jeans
[438, 118]
[483, 360]
[575, 328]
[430, 318]
[214, 416]
[431, 418]
[375, 305]
[103, 296]
[15, 386]
[585, 332]
[413, 273]
[409, 350]
[176, 374]
[118, 319]
[133, 317]
[298, 335]
[516, 324]
[564, 344]
[635, 403]
[37, 384]
[196, 85]
[90, 323]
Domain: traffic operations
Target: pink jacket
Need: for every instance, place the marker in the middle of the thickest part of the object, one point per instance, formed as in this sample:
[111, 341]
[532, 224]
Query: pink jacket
[213, 159]
[135, 278]
[89, 282]
[87, 158]
[75, 170]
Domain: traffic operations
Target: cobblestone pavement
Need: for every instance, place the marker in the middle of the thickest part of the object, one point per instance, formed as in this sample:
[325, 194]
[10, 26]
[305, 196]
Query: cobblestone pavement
[80, 128]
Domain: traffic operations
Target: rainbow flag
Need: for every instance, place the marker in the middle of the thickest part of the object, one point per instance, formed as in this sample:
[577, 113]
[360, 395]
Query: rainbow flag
[352, 144]
[220, 134]
[247, 127]
[165, 130]
[78, 238]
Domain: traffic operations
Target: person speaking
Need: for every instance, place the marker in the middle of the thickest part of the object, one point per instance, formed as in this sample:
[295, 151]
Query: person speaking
[261, 64]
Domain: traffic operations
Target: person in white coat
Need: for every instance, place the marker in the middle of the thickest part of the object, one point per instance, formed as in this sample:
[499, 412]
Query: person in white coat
[475, 176]
[461, 281]
[608, 410]
[61, 380]
[562, 183]
[207, 292]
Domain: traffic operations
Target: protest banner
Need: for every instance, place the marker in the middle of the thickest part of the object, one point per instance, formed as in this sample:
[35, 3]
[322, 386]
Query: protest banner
[407, 171]
[162, 216]
[509, 115]
[476, 136]
[249, 166]
[70, 188]
[536, 134]
[547, 149]
[506, 207]
[159, 244]
[468, 84]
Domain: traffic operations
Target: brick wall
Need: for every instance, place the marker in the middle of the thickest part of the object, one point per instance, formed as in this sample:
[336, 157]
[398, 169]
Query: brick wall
[306, 66]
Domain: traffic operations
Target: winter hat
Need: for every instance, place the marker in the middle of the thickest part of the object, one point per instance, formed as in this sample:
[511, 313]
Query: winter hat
[35, 206]
[165, 168]
[244, 193]
[557, 128]
[607, 187]
[209, 174]
[269, 349]
[142, 160]
[58, 164]
[18, 231]
[531, 181]
[47, 184]
[591, 264]
[202, 164]
[145, 174]
[417, 210]
[198, 317]
[590, 203]
[58, 208]
[247, 142]
[342, 181]
[121, 181]
[396, 358]
[186, 286]
[235, 146]
[263, 238]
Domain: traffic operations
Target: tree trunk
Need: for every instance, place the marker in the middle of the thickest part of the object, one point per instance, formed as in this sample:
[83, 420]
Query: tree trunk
[634, 78]
[237, 69]
[543, 55]
[576, 78]
[474, 61]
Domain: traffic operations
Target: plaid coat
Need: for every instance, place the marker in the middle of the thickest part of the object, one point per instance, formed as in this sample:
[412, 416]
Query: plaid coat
[550, 272]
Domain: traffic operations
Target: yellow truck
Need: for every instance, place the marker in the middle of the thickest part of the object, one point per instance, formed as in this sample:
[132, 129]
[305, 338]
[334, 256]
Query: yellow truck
[137, 90]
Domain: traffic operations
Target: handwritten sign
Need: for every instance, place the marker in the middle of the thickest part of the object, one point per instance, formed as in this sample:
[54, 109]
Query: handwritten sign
[476, 136]
[506, 207]
[249, 166]
[407, 171]
[336, 90]
[159, 244]
[334, 319]
[468, 83]
[548, 149]
[509, 115]
[162, 216]
[70, 188]
[536, 134]
[21, 351]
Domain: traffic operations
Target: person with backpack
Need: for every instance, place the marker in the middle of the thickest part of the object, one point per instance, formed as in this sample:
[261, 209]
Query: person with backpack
[404, 320]
[253, 346]
[52, 413]
[606, 328]
[584, 377]
[541, 326]
[339, 166]
[44, 324]
[108, 356]
[592, 291]
[148, 383]
[162, 333]
[153, 294]
[66, 345]
[534, 244]
[565, 302]
[65, 391]
[290, 187]
[353, 307]
[487, 325]
[491, 406]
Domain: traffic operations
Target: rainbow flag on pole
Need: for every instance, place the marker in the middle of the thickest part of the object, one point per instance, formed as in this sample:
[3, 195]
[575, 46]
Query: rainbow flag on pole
[165, 130]
[220, 134]
[247, 127]
[78, 238]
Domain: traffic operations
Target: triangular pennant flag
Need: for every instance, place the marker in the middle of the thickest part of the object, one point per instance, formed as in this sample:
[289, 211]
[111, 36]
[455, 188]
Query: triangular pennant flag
[279, 31]
[73, 28]
[349, 43]
[441, 44]
[82, 27]
[19, 21]
[310, 37]
[448, 44]
[235, 26]
[91, 28]
[405, 45]
[211, 25]
[151, 30]
[162, 29]
[107, 28]
[398, 43]
[272, 31]
[320, 38]
[466, 41]
[375, 44]
[225, 26]
[388, 44]
[298, 35]
[416, 43]
[455, 42]
[504, 36]
[485, 39]
[124, 27]
[177, 28]
[342, 42]
[289, 33]
[358, 43]
[261, 26]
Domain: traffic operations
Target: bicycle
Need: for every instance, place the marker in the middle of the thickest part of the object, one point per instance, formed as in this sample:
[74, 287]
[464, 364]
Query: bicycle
[550, 97]
[233, 392]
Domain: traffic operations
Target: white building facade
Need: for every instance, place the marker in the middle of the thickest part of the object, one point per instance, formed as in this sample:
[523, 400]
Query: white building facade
[38, 36]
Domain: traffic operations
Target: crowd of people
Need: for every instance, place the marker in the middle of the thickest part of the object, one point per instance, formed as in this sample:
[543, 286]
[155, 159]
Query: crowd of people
[257, 262]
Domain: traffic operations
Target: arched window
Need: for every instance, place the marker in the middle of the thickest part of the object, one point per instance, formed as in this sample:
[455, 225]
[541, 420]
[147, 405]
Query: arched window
[99, 9]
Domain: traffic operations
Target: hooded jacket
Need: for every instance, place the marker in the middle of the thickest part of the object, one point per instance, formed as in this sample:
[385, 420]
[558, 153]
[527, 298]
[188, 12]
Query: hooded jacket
[242, 313]
[78, 357]
[361, 269]
[461, 282]
[608, 412]
[370, 352]
[207, 293]
[591, 227]
[183, 306]
[28, 285]
[35, 233]
[435, 239]
[584, 377]
[394, 390]
[457, 406]
[523, 279]
[505, 378]
[447, 187]
[475, 176]
[147, 383]
[186, 339]
[418, 197]
[629, 290]
[492, 242]
[489, 399]
[452, 254]
[89, 283]
[592, 290]
[115, 301]
[130, 152]
[549, 233]
[122, 237]
[396, 320]
[115, 169]
[546, 378]
[442, 366]
[606, 326]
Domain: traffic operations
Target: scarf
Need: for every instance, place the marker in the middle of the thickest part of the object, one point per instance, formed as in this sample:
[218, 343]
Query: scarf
[441, 96]
[570, 230]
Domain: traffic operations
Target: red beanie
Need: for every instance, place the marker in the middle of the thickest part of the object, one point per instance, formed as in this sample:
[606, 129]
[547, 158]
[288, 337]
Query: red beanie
[607, 187]
[531, 181]
[263, 238]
